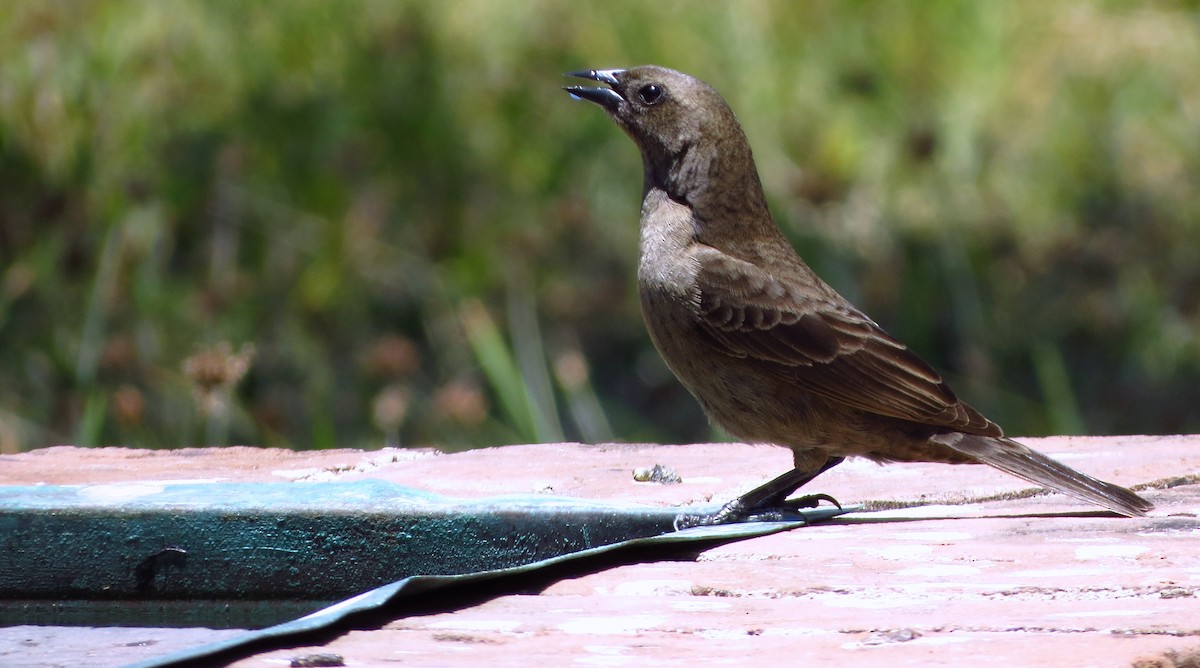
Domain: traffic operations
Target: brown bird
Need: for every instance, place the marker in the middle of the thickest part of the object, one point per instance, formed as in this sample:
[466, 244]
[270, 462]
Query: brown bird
[771, 352]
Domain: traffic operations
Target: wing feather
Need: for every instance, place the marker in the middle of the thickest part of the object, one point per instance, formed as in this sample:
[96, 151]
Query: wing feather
[823, 344]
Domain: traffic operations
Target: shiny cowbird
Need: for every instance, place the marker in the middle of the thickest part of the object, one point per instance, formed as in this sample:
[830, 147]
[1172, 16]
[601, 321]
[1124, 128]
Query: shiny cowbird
[772, 353]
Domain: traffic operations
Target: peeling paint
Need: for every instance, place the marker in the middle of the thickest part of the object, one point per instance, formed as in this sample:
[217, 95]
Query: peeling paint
[939, 571]
[623, 625]
[1106, 551]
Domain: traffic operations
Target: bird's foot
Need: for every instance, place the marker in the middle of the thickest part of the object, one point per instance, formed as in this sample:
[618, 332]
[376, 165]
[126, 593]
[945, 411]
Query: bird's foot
[811, 501]
[737, 511]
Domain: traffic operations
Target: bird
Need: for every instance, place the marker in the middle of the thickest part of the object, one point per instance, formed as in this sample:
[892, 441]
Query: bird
[771, 352]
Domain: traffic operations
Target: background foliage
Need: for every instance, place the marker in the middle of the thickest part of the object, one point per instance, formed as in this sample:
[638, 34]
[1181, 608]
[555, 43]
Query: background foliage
[316, 224]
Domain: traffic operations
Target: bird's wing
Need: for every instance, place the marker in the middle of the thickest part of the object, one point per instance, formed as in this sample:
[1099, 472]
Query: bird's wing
[823, 344]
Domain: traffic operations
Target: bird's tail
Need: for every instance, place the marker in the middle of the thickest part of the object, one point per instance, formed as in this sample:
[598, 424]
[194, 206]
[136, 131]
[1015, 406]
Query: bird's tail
[1012, 457]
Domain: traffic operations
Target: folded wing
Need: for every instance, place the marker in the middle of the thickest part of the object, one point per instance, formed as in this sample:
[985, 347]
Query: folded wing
[824, 345]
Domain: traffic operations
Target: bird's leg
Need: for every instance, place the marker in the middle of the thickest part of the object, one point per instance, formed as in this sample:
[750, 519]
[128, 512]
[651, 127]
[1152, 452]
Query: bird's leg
[767, 502]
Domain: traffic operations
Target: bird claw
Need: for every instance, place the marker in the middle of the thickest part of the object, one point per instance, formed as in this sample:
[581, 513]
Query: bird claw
[729, 513]
[735, 512]
[811, 501]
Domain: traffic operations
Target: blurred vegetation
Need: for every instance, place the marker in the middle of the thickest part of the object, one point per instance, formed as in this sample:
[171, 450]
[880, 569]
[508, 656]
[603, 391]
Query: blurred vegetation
[316, 224]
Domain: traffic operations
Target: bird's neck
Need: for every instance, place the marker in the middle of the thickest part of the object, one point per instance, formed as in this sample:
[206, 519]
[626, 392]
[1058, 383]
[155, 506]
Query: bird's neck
[718, 181]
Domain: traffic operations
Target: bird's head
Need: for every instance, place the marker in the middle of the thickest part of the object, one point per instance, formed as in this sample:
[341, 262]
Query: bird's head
[664, 111]
[689, 137]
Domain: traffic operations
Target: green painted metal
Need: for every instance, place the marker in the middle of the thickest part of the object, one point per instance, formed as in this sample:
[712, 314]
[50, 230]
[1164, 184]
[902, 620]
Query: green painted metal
[137, 547]
[242, 555]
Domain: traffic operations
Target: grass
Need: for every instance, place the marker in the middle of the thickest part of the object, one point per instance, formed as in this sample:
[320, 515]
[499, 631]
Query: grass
[425, 241]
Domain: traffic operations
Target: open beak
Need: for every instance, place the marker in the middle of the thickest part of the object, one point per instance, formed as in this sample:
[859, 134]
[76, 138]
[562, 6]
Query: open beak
[605, 97]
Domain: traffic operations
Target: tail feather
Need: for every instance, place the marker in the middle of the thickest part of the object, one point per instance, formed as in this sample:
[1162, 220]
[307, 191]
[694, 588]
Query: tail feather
[1014, 458]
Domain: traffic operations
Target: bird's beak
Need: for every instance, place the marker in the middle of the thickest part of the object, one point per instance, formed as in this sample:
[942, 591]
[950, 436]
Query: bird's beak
[605, 97]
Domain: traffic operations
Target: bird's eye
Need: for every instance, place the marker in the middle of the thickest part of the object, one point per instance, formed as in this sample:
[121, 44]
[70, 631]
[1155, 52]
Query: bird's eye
[651, 93]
